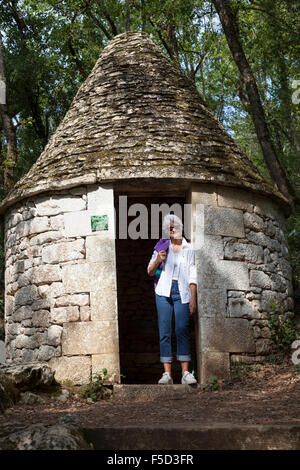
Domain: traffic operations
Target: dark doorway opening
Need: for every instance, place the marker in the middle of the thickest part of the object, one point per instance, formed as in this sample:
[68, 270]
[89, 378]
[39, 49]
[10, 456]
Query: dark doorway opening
[137, 315]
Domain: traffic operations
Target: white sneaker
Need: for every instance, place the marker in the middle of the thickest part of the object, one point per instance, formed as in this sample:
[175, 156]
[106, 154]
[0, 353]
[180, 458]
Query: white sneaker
[166, 379]
[188, 378]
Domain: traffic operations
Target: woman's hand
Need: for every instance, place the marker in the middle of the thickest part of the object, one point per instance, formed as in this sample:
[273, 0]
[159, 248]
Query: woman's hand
[193, 300]
[193, 305]
[161, 256]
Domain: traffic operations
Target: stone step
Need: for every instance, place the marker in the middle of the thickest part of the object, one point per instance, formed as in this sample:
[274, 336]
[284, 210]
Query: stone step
[150, 391]
[222, 436]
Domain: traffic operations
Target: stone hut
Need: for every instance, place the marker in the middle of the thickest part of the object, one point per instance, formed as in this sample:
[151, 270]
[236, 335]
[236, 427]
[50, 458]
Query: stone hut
[77, 293]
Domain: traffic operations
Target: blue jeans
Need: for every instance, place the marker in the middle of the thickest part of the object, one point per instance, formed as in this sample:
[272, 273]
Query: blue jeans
[165, 307]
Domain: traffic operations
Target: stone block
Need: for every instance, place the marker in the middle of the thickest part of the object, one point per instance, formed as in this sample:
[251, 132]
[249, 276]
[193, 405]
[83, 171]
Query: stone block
[104, 304]
[100, 250]
[29, 227]
[53, 336]
[100, 196]
[213, 244]
[40, 304]
[40, 318]
[2, 353]
[64, 251]
[212, 302]
[68, 300]
[76, 369]
[279, 283]
[203, 194]
[46, 352]
[62, 315]
[226, 335]
[45, 274]
[29, 214]
[57, 222]
[76, 278]
[78, 224]
[9, 305]
[27, 342]
[254, 222]
[241, 307]
[214, 364]
[47, 237]
[263, 346]
[13, 219]
[103, 277]
[26, 295]
[85, 313]
[285, 268]
[235, 198]
[198, 238]
[269, 296]
[109, 361]
[214, 274]
[56, 289]
[22, 313]
[265, 206]
[223, 221]
[260, 279]
[94, 337]
[54, 205]
[244, 252]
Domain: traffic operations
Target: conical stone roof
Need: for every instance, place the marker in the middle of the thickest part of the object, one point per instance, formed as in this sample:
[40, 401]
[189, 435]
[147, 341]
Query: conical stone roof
[137, 116]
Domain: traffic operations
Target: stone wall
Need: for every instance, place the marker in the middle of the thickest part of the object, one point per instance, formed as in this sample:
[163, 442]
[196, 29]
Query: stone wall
[243, 265]
[60, 276]
[61, 283]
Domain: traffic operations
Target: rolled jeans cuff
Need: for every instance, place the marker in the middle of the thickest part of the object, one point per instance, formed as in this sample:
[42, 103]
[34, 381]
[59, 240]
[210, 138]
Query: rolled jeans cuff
[165, 359]
[184, 358]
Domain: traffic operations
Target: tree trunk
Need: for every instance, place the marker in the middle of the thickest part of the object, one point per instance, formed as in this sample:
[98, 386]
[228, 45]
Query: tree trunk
[277, 173]
[10, 133]
[127, 15]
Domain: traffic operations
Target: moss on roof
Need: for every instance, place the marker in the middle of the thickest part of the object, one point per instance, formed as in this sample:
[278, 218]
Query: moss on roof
[137, 116]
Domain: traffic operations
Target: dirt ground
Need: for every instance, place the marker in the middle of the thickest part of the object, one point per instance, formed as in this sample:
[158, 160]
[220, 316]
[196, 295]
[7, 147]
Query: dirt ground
[260, 394]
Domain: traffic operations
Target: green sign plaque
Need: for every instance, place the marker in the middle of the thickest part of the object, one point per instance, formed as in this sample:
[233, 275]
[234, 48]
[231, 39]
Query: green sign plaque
[99, 222]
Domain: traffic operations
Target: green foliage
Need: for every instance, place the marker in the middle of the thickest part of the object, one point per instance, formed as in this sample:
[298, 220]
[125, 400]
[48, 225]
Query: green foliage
[96, 389]
[282, 327]
[212, 385]
[51, 46]
[293, 228]
[239, 369]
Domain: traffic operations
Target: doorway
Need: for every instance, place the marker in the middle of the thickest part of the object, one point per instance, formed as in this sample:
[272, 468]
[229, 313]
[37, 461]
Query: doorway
[137, 315]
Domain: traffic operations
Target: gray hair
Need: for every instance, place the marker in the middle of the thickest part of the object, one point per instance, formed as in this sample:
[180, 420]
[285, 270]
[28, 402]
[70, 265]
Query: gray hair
[168, 218]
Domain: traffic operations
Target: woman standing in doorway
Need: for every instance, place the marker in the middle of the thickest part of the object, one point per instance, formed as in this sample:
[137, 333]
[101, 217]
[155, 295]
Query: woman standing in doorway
[173, 266]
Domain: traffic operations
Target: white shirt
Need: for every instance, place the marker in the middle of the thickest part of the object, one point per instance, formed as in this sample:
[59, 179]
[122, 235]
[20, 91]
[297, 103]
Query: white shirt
[176, 264]
[187, 272]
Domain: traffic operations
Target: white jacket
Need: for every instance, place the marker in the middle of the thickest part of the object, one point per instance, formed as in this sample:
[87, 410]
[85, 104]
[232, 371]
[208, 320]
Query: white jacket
[187, 273]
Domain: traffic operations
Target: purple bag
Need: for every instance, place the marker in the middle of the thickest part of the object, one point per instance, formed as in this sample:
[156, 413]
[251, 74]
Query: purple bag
[162, 244]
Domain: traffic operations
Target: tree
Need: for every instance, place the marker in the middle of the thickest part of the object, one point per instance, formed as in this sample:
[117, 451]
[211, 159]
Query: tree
[9, 162]
[229, 24]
